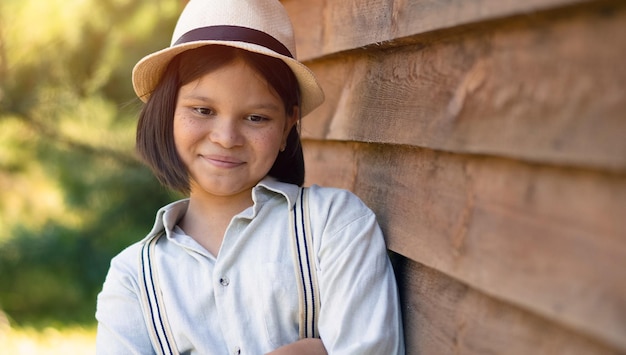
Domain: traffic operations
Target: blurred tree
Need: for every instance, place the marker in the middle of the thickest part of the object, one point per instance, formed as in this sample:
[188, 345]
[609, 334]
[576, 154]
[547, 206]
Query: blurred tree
[72, 193]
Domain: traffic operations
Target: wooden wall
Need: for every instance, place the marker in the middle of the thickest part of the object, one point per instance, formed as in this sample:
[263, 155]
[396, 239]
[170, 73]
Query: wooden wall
[490, 138]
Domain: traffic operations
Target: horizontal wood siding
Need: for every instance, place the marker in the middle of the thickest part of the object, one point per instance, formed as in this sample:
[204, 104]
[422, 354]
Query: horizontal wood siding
[546, 239]
[325, 27]
[490, 139]
[445, 316]
[547, 89]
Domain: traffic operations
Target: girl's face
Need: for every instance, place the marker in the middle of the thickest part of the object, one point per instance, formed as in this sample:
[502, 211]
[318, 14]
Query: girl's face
[229, 126]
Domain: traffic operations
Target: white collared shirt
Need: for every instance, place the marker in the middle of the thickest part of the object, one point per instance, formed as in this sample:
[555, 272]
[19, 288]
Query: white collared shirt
[245, 300]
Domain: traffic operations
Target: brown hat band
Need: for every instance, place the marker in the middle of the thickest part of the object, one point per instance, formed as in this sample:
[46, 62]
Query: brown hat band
[234, 33]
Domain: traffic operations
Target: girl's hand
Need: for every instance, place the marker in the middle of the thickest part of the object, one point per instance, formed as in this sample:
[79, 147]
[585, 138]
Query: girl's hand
[309, 346]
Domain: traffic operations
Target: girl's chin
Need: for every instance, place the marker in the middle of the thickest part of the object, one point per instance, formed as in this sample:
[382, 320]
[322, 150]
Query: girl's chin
[220, 191]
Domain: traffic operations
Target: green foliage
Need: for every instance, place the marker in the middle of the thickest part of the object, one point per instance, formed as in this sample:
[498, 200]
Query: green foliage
[72, 194]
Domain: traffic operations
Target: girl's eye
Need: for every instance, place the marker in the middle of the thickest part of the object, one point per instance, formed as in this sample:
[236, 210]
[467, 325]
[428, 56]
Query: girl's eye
[203, 111]
[256, 118]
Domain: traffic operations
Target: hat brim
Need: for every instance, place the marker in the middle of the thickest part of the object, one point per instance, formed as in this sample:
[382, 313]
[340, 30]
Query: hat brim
[148, 71]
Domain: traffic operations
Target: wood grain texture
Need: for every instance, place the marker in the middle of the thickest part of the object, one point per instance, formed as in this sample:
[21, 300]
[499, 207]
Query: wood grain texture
[536, 89]
[490, 139]
[324, 27]
[551, 240]
[445, 316]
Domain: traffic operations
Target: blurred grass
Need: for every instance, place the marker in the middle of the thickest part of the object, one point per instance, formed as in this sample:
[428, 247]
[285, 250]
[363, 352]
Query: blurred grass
[49, 341]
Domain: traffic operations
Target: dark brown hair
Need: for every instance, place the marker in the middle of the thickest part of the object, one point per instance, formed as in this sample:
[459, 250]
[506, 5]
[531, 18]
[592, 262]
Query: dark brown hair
[155, 129]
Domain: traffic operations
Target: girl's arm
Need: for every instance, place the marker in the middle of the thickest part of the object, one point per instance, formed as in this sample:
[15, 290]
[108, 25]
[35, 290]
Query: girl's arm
[360, 310]
[121, 326]
[309, 346]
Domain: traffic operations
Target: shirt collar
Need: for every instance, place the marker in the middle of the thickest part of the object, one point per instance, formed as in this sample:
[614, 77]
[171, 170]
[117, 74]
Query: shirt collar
[268, 186]
[168, 216]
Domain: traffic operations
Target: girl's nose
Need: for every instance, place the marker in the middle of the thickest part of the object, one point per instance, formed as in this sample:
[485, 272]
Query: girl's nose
[225, 132]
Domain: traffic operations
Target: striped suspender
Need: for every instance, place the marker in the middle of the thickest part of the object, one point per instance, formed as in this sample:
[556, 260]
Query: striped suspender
[304, 262]
[152, 302]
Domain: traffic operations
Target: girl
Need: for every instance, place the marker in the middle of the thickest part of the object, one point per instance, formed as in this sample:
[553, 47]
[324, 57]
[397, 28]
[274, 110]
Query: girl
[221, 272]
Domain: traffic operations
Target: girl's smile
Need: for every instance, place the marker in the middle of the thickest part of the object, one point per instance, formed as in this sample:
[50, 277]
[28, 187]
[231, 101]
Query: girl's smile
[223, 161]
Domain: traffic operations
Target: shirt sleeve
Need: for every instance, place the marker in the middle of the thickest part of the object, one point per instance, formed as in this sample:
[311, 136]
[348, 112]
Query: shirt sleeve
[121, 326]
[360, 311]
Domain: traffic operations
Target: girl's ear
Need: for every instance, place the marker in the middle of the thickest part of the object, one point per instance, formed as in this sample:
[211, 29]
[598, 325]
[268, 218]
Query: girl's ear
[290, 122]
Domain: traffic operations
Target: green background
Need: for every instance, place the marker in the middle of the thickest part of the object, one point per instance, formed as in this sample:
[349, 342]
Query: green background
[72, 193]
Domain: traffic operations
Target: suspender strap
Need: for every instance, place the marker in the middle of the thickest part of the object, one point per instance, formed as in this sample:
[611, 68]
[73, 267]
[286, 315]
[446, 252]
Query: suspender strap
[152, 302]
[304, 261]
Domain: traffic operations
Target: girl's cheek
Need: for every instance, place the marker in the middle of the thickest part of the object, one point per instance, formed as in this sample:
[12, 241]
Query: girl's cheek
[185, 122]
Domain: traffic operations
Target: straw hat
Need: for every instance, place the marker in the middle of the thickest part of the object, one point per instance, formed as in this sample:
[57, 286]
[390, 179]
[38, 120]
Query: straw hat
[260, 26]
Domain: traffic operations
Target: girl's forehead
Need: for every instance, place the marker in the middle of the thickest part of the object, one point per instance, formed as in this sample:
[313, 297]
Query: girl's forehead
[236, 80]
[237, 72]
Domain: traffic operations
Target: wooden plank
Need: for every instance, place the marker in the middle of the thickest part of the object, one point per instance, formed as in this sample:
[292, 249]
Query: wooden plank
[543, 90]
[552, 240]
[324, 27]
[444, 316]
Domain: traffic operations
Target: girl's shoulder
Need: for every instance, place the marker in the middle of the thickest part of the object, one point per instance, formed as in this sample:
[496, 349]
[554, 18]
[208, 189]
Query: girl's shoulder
[334, 198]
[336, 206]
[126, 261]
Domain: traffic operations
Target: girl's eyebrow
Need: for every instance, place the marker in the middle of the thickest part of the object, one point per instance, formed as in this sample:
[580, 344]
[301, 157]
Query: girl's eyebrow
[266, 106]
[255, 106]
[195, 97]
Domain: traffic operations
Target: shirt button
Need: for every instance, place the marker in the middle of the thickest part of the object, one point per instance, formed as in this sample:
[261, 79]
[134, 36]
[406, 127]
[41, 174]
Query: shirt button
[224, 281]
[237, 350]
